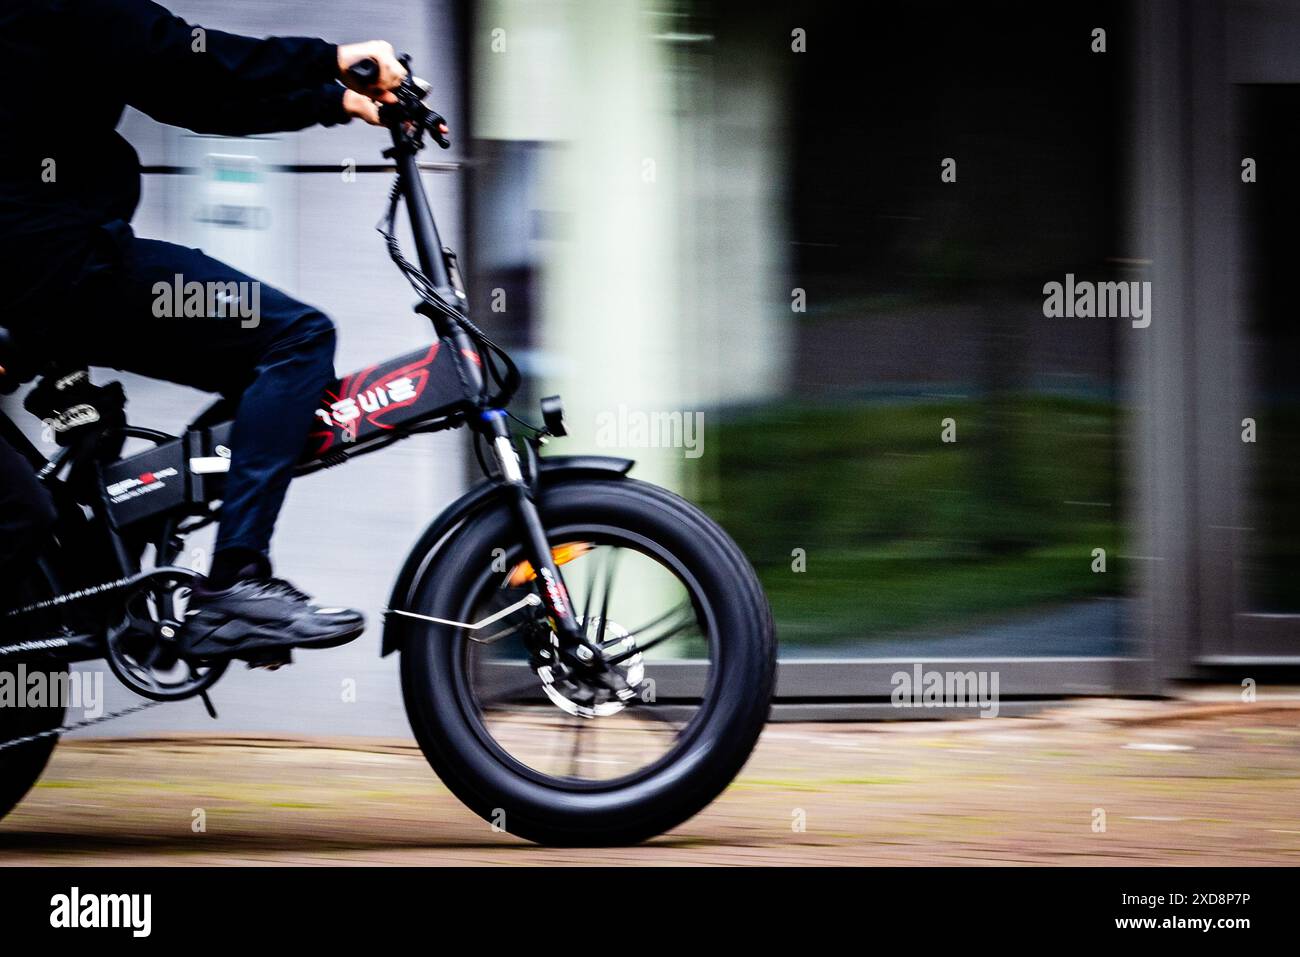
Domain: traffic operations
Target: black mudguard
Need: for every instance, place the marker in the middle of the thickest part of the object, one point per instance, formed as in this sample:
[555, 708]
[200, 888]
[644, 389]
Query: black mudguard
[423, 559]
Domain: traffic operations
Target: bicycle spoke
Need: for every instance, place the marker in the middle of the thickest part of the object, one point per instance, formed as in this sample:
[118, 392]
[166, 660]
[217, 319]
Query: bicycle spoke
[685, 611]
[592, 568]
[543, 722]
[656, 714]
[612, 568]
[515, 693]
[575, 752]
[685, 619]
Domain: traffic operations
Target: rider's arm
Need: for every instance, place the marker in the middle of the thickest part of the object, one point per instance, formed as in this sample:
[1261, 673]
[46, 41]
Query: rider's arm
[147, 48]
[231, 116]
[215, 82]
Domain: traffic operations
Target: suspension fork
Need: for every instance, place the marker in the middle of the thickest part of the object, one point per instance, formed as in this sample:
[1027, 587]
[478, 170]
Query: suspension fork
[580, 650]
[575, 647]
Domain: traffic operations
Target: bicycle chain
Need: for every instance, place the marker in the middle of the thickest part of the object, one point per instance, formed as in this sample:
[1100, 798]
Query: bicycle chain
[69, 728]
[94, 591]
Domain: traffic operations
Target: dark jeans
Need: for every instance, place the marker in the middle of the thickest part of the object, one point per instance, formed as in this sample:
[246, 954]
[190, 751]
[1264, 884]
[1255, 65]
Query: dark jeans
[274, 365]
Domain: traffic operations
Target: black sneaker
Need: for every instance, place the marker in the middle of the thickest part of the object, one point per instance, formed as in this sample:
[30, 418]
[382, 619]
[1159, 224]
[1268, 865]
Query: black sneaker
[260, 615]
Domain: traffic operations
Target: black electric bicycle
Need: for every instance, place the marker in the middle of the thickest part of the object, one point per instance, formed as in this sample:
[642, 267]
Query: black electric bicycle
[604, 703]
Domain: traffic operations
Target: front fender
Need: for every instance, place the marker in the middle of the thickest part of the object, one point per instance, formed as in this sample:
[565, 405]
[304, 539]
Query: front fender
[424, 556]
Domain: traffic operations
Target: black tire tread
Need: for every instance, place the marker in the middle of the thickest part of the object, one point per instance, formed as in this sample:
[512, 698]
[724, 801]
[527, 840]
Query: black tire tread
[637, 821]
[22, 766]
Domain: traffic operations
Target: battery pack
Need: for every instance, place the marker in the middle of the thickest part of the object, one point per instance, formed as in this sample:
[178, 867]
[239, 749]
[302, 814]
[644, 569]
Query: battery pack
[147, 484]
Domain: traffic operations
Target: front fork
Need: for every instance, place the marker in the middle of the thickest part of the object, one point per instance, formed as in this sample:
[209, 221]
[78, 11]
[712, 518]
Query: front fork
[575, 647]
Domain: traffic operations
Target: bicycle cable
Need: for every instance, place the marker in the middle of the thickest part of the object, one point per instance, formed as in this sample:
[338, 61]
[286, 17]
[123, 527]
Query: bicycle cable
[424, 288]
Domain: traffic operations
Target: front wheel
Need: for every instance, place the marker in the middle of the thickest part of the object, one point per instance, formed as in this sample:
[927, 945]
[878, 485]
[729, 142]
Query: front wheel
[544, 753]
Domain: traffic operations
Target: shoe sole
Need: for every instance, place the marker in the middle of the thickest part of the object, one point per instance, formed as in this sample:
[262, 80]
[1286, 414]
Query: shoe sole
[246, 641]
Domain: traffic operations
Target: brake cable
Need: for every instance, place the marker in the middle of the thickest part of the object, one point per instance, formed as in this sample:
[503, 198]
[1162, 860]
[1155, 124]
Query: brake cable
[424, 288]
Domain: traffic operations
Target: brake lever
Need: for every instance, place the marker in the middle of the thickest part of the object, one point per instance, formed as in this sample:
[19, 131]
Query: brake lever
[409, 106]
[438, 129]
[411, 100]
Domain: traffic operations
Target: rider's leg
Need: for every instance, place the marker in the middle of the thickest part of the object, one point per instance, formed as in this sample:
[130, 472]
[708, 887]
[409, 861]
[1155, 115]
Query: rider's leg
[290, 375]
[270, 353]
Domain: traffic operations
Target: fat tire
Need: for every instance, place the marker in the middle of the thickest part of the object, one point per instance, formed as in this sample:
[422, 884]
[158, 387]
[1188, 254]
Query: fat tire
[642, 808]
[21, 766]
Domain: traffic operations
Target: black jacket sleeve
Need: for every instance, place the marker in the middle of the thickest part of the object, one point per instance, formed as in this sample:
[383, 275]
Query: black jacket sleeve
[165, 65]
[235, 116]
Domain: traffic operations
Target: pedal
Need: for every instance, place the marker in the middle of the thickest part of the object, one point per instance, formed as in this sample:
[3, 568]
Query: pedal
[270, 660]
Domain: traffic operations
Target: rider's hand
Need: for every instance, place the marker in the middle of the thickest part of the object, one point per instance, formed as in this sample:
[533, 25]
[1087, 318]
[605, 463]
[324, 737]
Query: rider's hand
[391, 72]
[362, 107]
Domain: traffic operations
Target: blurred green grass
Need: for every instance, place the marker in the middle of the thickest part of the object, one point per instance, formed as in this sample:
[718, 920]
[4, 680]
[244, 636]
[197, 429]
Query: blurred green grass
[904, 532]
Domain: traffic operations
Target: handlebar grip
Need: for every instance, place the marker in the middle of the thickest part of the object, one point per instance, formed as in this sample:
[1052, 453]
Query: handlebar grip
[364, 72]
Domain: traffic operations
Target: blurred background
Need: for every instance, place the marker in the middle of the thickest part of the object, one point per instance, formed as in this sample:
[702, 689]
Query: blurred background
[791, 257]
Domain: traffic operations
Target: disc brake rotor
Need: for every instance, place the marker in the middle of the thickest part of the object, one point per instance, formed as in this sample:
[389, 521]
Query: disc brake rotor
[582, 697]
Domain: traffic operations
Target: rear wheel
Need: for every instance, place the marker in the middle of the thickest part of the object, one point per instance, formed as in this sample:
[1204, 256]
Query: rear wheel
[22, 765]
[539, 750]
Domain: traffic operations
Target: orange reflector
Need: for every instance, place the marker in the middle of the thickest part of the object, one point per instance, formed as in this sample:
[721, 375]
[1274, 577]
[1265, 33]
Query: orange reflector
[561, 554]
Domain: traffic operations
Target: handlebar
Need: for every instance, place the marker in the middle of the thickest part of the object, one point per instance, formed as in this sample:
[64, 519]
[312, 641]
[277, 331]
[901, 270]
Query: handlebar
[365, 72]
[409, 107]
